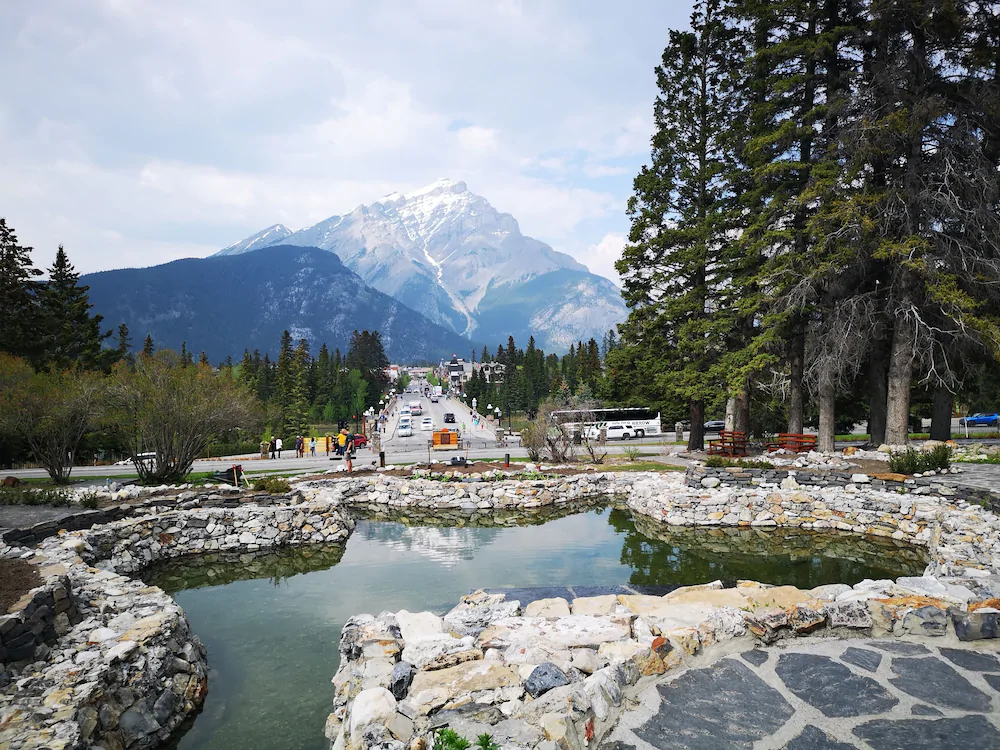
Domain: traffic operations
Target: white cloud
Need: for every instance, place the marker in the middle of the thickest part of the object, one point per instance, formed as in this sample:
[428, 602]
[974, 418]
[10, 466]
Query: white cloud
[600, 258]
[477, 140]
[133, 130]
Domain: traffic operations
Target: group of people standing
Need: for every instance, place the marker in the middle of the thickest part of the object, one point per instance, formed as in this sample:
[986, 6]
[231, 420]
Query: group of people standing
[343, 445]
[300, 447]
[274, 446]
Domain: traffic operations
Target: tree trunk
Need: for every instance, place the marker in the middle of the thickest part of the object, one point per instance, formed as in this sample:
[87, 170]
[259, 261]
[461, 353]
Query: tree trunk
[730, 413]
[796, 401]
[827, 417]
[696, 437]
[897, 425]
[741, 412]
[944, 402]
[877, 393]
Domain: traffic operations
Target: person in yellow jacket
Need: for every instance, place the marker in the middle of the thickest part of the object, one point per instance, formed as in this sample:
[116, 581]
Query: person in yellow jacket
[342, 442]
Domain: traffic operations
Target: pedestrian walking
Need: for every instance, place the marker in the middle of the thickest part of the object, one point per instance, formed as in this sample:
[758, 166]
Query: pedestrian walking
[272, 446]
[312, 447]
[349, 453]
[277, 444]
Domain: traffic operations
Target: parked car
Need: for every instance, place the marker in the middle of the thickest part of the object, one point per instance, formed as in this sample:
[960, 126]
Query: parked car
[981, 419]
[714, 425]
[612, 431]
[449, 418]
[426, 424]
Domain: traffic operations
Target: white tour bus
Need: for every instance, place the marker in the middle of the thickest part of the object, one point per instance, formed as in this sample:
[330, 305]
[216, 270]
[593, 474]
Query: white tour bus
[628, 422]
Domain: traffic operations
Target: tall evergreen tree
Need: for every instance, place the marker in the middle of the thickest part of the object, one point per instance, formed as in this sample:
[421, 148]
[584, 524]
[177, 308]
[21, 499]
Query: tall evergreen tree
[71, 336]
[147, 346]
[673, 265]
[19, 333]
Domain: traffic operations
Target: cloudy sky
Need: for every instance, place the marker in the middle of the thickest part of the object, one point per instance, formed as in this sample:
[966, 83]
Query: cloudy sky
[137, 131]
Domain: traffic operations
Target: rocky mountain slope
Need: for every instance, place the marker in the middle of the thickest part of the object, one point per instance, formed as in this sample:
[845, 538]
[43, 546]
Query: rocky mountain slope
[447, 253]
[225, 303]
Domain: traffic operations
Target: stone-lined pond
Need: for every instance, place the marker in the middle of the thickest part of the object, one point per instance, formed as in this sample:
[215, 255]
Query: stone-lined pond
[272, 620]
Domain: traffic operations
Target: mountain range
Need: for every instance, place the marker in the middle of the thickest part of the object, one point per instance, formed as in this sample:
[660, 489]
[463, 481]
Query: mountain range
[448, 254]
[222, 305]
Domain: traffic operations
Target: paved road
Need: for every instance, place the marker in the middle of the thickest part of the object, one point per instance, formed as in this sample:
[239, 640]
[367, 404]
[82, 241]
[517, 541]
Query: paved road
[824, 695]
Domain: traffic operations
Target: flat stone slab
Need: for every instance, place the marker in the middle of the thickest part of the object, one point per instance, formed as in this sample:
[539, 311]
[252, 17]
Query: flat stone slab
[723, 706]
[933, 681]
[823, 694]
[831, 687]
[969, 733]
[862, 657]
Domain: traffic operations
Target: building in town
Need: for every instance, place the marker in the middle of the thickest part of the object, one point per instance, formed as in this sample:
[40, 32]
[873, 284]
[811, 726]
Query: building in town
[456, 372]
[493, 372]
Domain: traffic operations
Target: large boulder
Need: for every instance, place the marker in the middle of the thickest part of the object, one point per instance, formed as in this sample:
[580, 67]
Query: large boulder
[477, 611]
[572, 631]
[372, 706]
[544, 678]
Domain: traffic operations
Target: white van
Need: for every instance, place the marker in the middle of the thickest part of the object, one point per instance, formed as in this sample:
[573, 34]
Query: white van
[404, 428]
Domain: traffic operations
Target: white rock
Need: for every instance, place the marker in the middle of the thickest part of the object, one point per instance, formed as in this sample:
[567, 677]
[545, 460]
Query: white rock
[554, 607]
[415, 625]
[860, 478]
[422, 651]
[120, 651]
[100, 635]
[710, 482]
[932, 587]
[585, 659]
[374, 705]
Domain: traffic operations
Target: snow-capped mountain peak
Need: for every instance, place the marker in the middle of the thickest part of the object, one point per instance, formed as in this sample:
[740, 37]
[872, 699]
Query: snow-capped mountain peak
[448, 253]
[265, 237]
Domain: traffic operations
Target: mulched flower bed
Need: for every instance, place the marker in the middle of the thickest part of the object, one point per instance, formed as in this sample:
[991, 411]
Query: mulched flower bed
[17, 578]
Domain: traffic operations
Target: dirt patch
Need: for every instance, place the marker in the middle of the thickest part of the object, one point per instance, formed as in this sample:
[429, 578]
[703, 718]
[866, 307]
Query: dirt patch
[17, 578]
[870, 465]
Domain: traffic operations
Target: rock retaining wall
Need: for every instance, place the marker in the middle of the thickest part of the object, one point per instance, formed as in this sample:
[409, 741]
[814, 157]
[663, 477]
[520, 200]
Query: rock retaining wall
[129, 672]
[35, 622]
[961, 538]
[558, 673]
[738, 476]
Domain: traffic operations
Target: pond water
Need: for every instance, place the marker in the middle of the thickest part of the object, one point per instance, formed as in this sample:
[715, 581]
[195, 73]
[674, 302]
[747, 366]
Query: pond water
[272, 620]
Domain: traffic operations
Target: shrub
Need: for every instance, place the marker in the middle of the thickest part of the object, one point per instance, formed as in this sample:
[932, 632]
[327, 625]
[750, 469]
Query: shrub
[272, 485]
[28, 496]
[89, 500]
[449, 739]
[913, 461]
[630, 453]
[754, 463]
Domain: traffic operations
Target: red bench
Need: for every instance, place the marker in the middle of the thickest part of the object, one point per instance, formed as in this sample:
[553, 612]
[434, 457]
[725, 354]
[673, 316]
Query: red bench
[730, 443]
[793, 442]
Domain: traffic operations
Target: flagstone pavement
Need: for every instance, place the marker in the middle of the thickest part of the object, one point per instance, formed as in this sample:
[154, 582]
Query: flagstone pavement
[824, 694]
